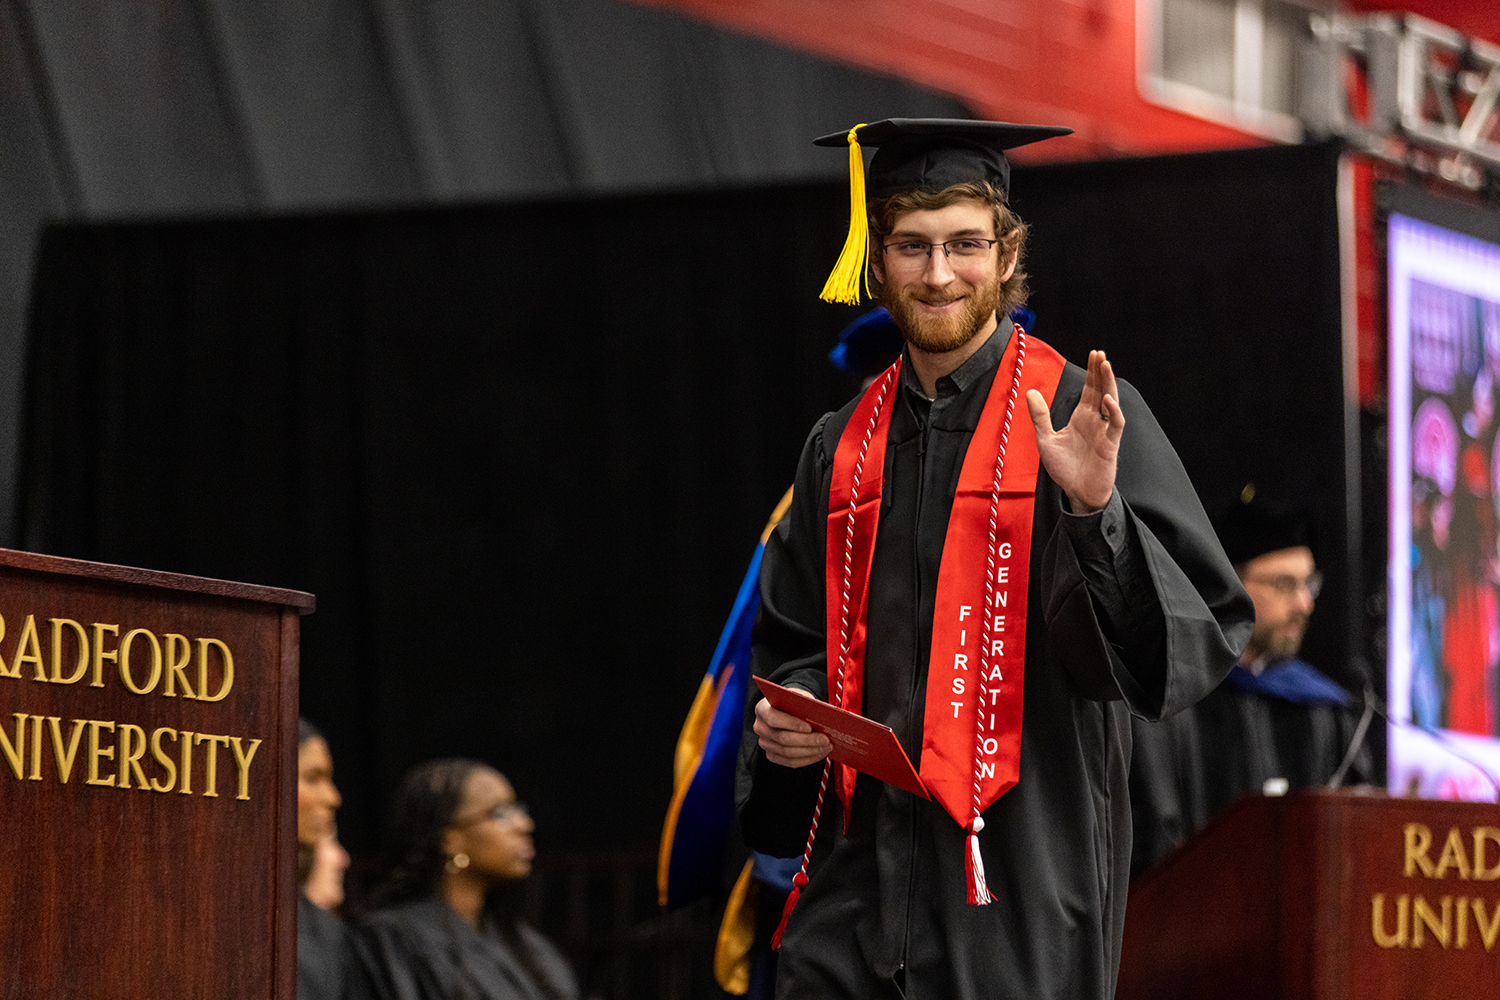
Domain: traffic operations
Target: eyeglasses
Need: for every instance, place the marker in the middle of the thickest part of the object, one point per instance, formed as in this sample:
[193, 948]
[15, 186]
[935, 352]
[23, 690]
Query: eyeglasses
[914, 252]
[1290, 586]
[504, 814]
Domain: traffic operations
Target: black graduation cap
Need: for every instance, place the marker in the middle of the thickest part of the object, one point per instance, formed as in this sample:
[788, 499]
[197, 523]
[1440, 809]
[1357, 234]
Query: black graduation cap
[929, 154]
[918, 154]
[1248, 528]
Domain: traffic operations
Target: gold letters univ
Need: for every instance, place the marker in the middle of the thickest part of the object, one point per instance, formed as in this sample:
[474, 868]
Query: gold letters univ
[118, 754]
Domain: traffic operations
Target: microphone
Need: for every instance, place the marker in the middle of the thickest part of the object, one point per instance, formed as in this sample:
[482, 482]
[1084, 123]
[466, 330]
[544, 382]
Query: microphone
[1356, 741]
[1375, 706]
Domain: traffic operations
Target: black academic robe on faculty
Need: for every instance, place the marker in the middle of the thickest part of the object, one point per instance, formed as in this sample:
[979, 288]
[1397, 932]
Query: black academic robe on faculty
[423, 950]
[1132, 609]
[1290, 722]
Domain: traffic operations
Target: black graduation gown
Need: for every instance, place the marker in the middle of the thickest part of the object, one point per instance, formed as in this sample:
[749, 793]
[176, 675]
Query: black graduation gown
[325, 955]
[887, 900]
[1187, 769]
[423, 950]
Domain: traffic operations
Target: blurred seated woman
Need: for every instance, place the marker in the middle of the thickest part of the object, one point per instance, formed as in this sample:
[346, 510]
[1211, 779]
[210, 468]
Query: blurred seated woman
[442, 930]
[324, 956]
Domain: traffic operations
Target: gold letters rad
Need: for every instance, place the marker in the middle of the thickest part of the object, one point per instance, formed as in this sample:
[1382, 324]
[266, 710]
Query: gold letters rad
[1448, 920]
[142, 661]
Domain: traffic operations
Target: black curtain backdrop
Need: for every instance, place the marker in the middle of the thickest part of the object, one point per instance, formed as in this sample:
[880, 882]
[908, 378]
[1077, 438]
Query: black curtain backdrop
[1213, 282]
[522, 453]
[150, 110]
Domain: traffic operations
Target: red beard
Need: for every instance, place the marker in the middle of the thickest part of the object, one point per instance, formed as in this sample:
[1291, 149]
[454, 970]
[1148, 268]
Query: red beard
[941, 334]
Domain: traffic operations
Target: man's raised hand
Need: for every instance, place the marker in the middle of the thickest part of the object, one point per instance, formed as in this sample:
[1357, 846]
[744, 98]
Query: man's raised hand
[1081, 456]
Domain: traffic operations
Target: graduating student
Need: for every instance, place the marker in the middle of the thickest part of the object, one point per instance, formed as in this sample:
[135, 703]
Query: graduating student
[998, 555]
[443, 931]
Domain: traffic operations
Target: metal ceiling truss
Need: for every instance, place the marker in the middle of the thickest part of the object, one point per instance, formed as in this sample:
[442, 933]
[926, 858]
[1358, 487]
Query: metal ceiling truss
[1407, 90]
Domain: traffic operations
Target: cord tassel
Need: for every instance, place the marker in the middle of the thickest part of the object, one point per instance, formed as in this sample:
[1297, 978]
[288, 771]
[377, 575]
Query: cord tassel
[854, 260]
[979, 893]
[791, 902]
[812, 836]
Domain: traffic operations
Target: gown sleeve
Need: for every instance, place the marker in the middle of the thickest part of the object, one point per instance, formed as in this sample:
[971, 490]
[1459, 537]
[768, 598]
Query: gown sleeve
[1158, 618]
[775, 801]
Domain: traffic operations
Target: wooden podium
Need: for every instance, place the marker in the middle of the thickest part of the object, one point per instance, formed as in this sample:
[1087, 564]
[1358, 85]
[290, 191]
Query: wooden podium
[1322, 896]
[148, 767]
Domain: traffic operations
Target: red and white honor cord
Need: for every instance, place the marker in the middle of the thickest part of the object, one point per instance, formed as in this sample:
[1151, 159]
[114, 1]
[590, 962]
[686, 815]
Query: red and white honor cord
[838, 695]
[979, 892]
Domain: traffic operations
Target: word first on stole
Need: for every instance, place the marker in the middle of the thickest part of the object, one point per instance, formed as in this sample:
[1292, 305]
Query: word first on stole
[980, 691]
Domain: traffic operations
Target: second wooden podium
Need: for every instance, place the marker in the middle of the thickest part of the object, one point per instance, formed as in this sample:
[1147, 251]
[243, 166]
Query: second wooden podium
[1322, 896]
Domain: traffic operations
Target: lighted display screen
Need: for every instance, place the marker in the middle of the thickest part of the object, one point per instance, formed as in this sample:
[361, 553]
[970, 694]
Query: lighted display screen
[1444, 587]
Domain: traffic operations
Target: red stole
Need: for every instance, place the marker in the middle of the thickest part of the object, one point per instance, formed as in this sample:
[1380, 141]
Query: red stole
[971, 740]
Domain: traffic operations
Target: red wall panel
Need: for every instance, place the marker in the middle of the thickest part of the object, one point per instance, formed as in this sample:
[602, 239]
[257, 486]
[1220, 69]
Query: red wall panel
[1056, 62]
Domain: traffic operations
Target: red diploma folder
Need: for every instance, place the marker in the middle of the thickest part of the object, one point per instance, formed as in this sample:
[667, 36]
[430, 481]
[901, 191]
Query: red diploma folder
[863, 745]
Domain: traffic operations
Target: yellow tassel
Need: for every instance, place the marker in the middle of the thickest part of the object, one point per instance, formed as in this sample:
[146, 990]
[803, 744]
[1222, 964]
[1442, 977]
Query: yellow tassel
[854, 261]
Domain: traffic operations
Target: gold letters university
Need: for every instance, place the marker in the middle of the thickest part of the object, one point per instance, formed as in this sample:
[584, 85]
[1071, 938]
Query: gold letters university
[115, 753]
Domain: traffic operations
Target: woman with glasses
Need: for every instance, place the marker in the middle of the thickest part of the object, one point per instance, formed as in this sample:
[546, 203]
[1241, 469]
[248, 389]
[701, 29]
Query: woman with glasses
[442, 929]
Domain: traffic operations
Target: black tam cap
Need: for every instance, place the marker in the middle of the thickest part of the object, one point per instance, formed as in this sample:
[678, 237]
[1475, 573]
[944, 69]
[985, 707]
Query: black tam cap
[930, 154]
[1248, 528]
[918, 154]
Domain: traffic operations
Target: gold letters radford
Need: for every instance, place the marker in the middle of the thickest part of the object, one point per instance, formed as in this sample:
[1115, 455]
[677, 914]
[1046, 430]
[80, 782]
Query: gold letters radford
[115, 754]
[142, 659]
[1414, 921]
